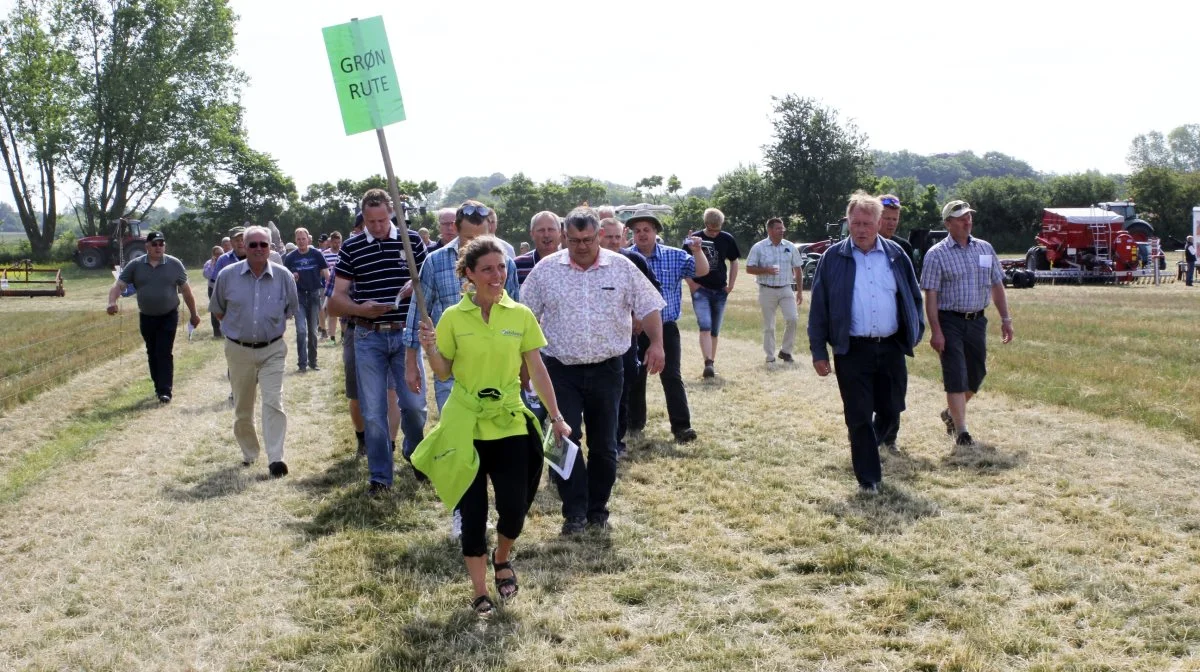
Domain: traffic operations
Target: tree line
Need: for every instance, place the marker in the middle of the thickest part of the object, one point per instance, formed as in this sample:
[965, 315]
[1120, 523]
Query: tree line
[123, 101]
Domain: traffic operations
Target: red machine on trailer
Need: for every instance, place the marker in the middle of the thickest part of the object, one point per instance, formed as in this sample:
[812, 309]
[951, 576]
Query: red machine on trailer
[1089, 244]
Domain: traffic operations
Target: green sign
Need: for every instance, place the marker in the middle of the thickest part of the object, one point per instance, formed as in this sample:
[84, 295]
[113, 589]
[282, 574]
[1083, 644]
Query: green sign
[364, 75]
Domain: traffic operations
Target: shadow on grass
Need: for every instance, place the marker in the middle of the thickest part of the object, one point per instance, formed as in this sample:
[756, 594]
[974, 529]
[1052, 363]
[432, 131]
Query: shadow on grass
[888, 512]
[345, 504]
[459, 641]
[903, 465]
[122, 411]
[983, 458]
[221, 483]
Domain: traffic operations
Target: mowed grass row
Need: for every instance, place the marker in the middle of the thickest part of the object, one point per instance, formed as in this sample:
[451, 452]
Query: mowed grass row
[1129, 351]
[751, 549]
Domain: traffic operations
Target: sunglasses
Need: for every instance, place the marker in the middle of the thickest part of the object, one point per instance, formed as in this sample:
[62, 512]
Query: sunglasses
[254, 244]
[489, 392]
[475, 211]
[157, 243]
[890, 202]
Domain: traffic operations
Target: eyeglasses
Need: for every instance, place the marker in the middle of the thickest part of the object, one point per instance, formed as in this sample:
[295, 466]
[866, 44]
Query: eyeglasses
[157, 243]
[581, 241]
[475, 211]
[489, 392]
[254, 244]
[890, 202]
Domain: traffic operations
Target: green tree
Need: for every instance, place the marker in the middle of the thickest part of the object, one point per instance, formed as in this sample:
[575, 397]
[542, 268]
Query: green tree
[746, 198]
[36, 102]
[645, 188]
[1008, 209]
[815, 161]
[158, 98]
[582, 190]
[518, 201]
[1166, 197]
[1179, 150]
[1080, 189]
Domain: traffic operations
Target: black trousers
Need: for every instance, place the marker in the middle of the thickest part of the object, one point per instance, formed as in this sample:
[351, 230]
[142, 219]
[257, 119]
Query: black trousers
[631, 365]
[588, 394]
[506, 461]
[158, 331]
[873, 380]
[672, 383]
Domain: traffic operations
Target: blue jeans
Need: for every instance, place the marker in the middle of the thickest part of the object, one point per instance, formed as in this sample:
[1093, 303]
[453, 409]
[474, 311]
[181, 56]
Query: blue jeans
[441, 390]
[709, 306]
[376, 353]
[306, 327]
[589, 394]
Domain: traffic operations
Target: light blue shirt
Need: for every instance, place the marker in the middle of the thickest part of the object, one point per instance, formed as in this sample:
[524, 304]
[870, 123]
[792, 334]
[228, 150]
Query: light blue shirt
[873, 311]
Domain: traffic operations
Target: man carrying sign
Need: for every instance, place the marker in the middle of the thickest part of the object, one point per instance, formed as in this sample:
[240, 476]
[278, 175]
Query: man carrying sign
[374, 262]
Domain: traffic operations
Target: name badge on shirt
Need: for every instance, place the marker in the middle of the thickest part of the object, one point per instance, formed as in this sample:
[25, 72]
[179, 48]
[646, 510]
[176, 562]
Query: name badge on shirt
[985, 261]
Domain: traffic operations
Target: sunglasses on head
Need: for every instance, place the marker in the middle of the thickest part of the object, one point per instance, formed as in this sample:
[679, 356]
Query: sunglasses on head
[475, 211]
[890, 202]
[489, 392]
[255, 244]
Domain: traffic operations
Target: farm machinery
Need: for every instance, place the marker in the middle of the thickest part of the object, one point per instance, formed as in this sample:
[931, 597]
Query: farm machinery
[124, 242]
[24, 279]
[1094, 244]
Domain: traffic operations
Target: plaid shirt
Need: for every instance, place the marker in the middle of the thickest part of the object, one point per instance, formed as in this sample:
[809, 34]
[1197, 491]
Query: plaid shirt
[443, 287]
[670, 265]
[962, 275]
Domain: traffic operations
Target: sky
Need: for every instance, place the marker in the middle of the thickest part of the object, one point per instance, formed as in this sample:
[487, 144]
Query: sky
[627, 89]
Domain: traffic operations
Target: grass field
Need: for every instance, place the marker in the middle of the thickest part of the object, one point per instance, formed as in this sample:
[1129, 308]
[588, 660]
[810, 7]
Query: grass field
[1066, 540]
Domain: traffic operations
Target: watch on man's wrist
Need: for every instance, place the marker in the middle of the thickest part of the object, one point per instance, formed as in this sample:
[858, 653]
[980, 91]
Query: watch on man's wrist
[558, 418]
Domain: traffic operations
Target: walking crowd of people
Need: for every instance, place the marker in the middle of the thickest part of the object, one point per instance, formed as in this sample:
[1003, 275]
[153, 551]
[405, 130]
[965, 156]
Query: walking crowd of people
[529, 351]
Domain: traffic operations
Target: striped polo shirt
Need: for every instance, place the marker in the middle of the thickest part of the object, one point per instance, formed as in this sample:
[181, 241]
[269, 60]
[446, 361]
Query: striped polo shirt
[378, 269]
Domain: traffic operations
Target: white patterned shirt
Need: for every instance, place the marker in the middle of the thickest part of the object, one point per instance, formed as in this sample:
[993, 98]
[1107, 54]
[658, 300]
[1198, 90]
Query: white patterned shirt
[585, 314]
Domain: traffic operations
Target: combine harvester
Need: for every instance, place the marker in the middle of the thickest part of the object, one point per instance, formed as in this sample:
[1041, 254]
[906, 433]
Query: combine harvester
[25, 279]
[1093, 245]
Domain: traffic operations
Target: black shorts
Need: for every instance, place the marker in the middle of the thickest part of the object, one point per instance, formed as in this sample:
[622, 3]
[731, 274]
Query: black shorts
[964, 359]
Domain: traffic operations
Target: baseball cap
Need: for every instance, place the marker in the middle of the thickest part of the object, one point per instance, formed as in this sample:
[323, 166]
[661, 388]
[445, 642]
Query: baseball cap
[155, 235]
[644, 216]
[955, 209]
[237, 231]
[324, 237]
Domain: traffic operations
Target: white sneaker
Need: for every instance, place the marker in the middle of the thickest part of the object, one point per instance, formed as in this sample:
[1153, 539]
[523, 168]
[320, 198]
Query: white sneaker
[456, 526]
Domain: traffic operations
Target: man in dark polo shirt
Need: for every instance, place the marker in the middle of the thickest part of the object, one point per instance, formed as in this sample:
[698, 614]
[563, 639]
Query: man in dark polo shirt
[159, 279]
[374, 263]
[959, 275]
[254, 299]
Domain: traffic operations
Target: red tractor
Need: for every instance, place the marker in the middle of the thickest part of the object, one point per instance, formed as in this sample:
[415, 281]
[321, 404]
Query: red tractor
[124, 242]
[1086, 242]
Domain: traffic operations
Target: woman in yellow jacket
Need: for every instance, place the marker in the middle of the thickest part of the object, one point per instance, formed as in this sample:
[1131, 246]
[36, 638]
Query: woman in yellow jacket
[485, 429]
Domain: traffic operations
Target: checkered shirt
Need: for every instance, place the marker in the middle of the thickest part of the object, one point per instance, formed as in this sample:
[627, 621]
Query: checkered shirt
[443, 287]
[953, 270]
[670, 265]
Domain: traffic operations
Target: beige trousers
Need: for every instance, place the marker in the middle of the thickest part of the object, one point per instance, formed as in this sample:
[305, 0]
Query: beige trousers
[769, 299]
[262, 368]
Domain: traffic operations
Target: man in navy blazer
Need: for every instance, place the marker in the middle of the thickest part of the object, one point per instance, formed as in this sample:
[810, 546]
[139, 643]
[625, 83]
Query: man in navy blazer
[866, 303]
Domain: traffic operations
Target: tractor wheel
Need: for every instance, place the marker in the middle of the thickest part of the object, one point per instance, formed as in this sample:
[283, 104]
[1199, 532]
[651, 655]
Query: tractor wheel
[91, 259]
[1035, 259]
[1141, 231]
[134, 251]
[1030, 278]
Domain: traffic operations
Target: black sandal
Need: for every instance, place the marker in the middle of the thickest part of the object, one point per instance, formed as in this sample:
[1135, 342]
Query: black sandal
[509, 582]
[483, 606]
